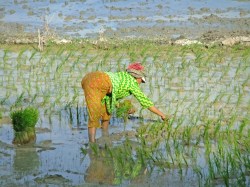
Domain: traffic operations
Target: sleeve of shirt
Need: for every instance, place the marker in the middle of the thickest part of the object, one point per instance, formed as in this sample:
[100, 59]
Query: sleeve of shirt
[141, 97]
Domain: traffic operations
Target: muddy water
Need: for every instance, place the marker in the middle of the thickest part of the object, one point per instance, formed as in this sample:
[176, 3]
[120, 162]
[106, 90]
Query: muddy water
[54, 159]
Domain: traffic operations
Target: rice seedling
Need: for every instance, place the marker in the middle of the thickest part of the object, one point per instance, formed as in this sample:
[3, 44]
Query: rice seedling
[5, 99]
[19, 100]
[24, 121]
[5, 56]
[124, 108]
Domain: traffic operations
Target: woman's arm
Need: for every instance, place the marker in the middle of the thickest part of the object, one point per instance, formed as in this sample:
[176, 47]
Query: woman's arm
[157, 111]
[145, 101]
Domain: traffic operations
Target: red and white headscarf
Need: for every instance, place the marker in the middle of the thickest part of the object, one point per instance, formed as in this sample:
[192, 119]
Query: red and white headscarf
[136, 69]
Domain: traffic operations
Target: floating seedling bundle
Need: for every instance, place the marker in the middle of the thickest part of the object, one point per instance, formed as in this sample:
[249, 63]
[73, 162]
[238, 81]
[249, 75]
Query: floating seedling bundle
[24, 121]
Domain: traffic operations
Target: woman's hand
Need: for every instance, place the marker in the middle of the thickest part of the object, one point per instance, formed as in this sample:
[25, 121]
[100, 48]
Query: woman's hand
[158, 112]
[131, 111]
[163, 117]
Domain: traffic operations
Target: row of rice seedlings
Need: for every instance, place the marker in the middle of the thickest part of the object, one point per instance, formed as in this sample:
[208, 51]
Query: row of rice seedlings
[151, 153]
[142, 53]
[228, 100]
[226, 163]
[21, 75]
[151, 88]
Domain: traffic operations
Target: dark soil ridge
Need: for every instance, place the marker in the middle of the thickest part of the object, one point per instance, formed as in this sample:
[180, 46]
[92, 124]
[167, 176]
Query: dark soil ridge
[13, 33]
[208, 38]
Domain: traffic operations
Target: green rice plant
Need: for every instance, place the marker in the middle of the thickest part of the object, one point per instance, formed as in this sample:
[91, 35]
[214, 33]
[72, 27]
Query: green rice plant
[223, 170]
[206, 138]
[77, 114]
[211, 168]
[24, 121]
[243, 125]
[4, 100]
[246, 81]
[169, 152]
[94, 147]
[144, 51]
[119, 64]
[19, 101]
[241, 179]
[32, 55]
[187, 134]
[5, 56]
[20, 58]
[46, 99]
[125, 165]
[198, 171]
[124, 108]
[217, 129]
[75, 63]
[220, 146]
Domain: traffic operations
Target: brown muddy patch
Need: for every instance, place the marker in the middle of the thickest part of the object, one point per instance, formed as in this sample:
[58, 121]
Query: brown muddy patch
[52, 180]
[5, 120]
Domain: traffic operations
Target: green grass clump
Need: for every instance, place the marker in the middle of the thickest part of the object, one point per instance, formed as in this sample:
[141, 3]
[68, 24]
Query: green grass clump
[24, 121]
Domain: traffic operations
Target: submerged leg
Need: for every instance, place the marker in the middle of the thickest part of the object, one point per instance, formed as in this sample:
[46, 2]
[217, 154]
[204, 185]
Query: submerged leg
[105, 125]
[92, 132]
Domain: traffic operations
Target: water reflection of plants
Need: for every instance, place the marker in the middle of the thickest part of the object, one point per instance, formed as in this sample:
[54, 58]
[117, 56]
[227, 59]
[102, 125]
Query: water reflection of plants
[213, 156]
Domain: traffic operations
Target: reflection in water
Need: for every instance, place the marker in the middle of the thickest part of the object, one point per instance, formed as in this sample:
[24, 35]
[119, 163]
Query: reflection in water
[76, 116]
[100, 170]
[112, 164]
[26, 160]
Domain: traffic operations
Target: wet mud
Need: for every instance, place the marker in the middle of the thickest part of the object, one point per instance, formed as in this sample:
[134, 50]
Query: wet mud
[203, 21]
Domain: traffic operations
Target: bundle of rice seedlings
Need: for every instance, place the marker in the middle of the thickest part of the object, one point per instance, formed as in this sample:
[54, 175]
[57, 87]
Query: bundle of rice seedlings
[24, 122]
[124, 108]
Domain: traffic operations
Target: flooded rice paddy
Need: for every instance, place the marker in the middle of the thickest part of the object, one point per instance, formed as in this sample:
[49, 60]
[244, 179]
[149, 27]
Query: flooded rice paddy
[206, 141]
[204, 90]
